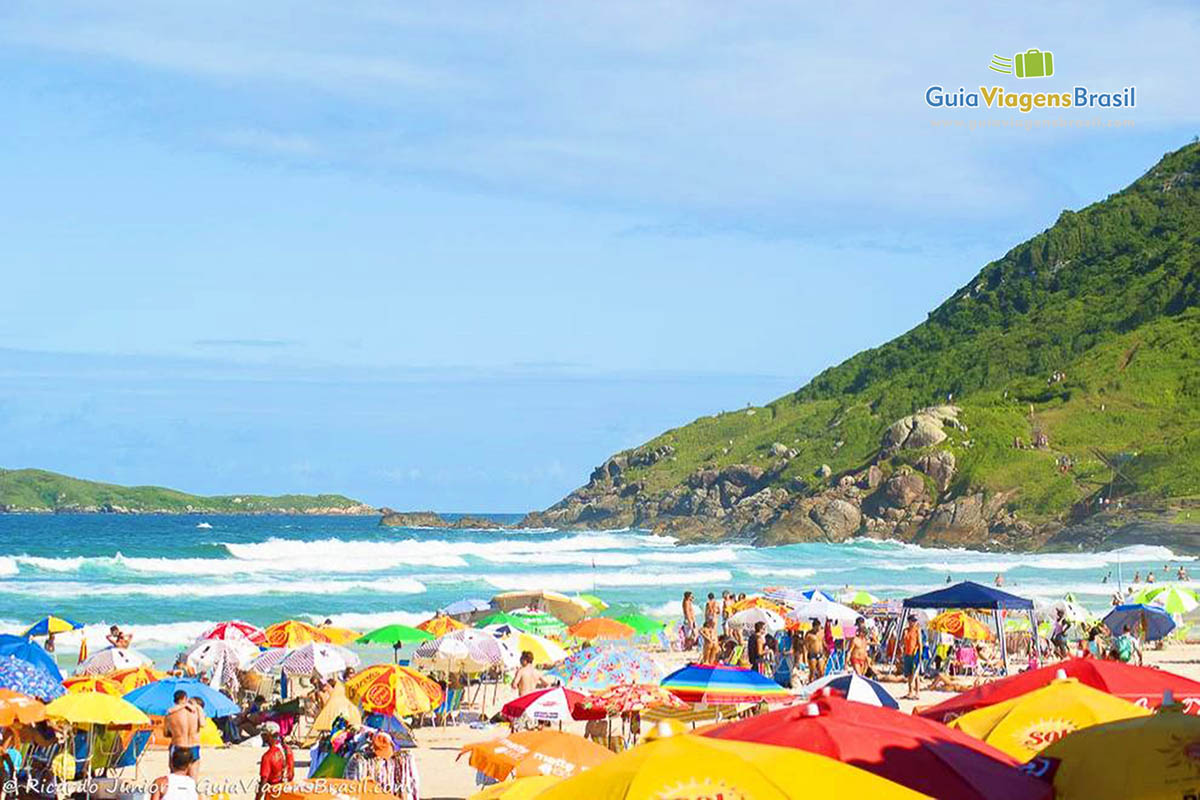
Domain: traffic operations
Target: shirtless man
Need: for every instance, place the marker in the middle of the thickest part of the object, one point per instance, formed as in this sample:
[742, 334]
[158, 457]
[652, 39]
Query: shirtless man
[528, 677]
[182, 724]
[814, 650]
[711, 608]
[118, 638]
[859, 654]
[689, 621]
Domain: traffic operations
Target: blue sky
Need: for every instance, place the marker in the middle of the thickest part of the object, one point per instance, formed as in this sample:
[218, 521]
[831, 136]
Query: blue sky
[452, 256]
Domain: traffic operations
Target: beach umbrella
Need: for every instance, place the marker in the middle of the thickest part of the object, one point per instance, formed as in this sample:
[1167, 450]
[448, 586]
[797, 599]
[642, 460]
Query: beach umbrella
[718, 684]
[394, 635]
[208, 654]
[393, 726]
[920, 754]
[441, 625]
[591, 601]
[235, 630]
[318, 658]
[393, 689]
[503, 618]
[567, 609]
[642, 625]
[1024, 725]
[34, 653]
[158, 697]
[794, 597]
[1144, 757]
[112, 659]
[822, 609]
[469, 650]
[519, 789]
[17, 708]
[1173, 599]
[596, 668]
[468, 605]
[545, 652]
[94, 708]
[633, 697]
[93, 683]
[51, 624]
[293, 633]
[1072, 611]
[750, 617]
[1141, 685]
[136, 677]
[330, 789]
[599, 629]
[339, 636]
[758, 602]
[539, 622]
[961, 625]
[268, 661]
[687, 766]
[20, 676]
[856, 597]
[852, 687]
[550, 705]
[541, 752]
[1153, 622]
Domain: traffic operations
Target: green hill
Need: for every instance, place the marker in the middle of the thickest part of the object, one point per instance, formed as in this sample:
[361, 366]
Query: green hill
[1082, 341]
[39, 490]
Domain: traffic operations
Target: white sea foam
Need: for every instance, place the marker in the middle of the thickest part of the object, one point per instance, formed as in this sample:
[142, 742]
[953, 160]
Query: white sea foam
[370, 621]
[302, 563]
[8, 567]
[583, 581]
[207, 589]
[781, 571]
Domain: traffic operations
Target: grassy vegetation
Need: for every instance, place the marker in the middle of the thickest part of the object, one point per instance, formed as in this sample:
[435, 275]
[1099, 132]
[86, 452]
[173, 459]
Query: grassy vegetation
[1109, 296]
[35, 489]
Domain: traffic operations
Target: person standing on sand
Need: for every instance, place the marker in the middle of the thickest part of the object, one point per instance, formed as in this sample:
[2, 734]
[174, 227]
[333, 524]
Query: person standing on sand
[814, 650]
[528, 677]
[859, 657]
[726, 610]
[911, 645]
[182, 725]
[710, 646]
[689, 621]
[711, 608]
[277, 765]
[756, 646]
[177, 784]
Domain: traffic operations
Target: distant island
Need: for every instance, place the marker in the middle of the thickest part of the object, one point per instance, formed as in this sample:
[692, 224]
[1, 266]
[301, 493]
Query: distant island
[40, 491]
[431, 519]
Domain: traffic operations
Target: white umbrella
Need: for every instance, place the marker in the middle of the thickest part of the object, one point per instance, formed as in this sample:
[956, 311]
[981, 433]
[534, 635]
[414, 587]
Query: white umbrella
[112, 659]
[750, 617]
[268, 661]
[1049, 611]
[468, 650]
[823, 609]
[207, 654]
[318, 657]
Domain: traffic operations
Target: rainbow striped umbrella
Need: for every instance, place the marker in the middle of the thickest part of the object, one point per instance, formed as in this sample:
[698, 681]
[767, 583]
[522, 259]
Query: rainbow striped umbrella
[717, 684]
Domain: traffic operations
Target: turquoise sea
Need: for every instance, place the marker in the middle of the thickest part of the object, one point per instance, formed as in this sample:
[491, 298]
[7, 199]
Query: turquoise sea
[168, 577]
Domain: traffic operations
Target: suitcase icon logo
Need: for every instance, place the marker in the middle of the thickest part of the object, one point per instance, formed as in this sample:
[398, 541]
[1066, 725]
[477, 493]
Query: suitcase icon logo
[1033, 63]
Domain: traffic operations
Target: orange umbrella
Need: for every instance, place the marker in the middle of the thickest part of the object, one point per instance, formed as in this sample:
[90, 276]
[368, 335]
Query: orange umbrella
[633, 697]
[293, 633]
[135, 678]
[19, 708]
[961, 625]
[542, 752]
[93, 683]
[329, 789]
[392, 689]
[440, 626]
[759, 602]
[601, 628]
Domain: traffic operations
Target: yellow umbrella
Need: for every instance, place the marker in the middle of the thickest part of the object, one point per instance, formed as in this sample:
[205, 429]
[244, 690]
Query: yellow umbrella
[392, 689]
[294, 633]
[341, 636]
[93, 683]
[1024, 725]
[961, 625]
[699, 767]
[545, 652]
[1145, 757]
[520, 789]
[136, 677]
[441, 625]
[94, 708]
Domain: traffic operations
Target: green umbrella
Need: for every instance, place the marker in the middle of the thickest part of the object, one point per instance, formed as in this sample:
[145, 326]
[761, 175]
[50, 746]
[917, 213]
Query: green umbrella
[395, 634]
[642, 624]
[539, 622]
[597, 605]
[1174, 599]
[503, 618]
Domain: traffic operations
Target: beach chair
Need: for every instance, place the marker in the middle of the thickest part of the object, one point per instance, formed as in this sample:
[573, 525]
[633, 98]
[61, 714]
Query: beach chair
[966, 661]
[36, 770]
[451, 704]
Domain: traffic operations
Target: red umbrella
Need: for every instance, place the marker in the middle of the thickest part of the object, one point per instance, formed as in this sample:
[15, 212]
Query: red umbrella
[234, 629]
[922, 755]
[1141, 685]
[551, 705]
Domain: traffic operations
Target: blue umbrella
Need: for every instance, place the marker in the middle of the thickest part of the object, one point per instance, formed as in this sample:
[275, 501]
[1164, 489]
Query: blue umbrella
[34, 653]
[468, 605]
[157, 697]
[853, 687]
[1153, 620]
[21, 676]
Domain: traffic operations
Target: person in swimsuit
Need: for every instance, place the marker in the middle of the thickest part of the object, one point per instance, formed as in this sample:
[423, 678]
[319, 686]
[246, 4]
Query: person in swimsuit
[859, 655]
[182, 725]
[814, 650]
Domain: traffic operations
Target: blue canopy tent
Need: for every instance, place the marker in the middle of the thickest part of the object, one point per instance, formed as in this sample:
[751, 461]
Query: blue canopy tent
[29, 652]
[971, 595]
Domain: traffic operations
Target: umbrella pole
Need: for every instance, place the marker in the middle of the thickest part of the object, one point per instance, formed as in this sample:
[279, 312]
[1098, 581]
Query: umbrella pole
[1000, 636]
[1034, 646]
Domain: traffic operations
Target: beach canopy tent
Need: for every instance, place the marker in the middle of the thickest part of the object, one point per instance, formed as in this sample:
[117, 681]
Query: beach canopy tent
[969, 594]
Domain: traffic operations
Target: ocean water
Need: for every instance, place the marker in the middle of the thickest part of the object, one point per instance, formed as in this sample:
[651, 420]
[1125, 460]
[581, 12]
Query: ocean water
[166, 578]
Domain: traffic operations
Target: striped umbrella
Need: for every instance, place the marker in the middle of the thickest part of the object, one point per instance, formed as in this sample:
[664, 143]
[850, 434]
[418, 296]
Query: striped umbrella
[319, 658]
[393, 689]
[718, 684]
[269, 661]
[852, 687]
[111, 659]
[235, 630]
[468, 650]
[633, 697]
[21, 676]
[93, 683]
[293, 633]
[16, 707]
[51, 624]
[596, 668]
[550, 705]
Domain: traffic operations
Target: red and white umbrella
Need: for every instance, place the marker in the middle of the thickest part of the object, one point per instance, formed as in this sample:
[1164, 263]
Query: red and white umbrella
[235, 630]
[551, 705]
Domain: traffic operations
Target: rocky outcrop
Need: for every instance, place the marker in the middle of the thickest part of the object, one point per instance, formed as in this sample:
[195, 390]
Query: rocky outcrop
[922, 429]
[430, 519]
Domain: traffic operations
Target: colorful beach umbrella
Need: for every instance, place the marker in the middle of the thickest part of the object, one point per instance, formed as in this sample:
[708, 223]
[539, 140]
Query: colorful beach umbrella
[1150, 621]
[591, 601]
[1152, 757]
[158, 697]
[94, 708]
[209, 654]
[519, 789]
[852, 687]
[394, 635]
[26, 650]
[633, 697]
[567, 609]
[596, 668]
[686, 766]
[823, 609]
[318, 658]
[961, 625]
[545, 652]
[541, 752]
[51, 624]
[293, 633]
[539, 622]
[922, 755]
[136, 677]
[1024, 725]
[758, 602]
[441, 625]
[393, 689]
[112, 659]
[235, 630]
[17, 708]
[718, 684]
[856, 597]
[393, 726]
[20, 676]
[550, 705]
[78, 684]
[1173, 599]
[642, 624]
[468, 650]
[468, 605]
[600, 629]
[339, 636]
[268, 661]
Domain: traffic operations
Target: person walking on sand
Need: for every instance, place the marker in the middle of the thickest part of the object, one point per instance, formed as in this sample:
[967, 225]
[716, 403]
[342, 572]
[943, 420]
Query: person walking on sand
[528, 678]
[911, 646]
[177, 784]
[277, 765]
[814, 650]
[859, 656]
[182, 725]
[689, 621]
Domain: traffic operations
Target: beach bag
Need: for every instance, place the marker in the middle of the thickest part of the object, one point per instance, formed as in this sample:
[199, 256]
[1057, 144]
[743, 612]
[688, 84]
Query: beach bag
[1124, 648]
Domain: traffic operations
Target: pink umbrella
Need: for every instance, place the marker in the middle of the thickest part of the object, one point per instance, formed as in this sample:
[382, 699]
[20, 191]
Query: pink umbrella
[235, 629]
